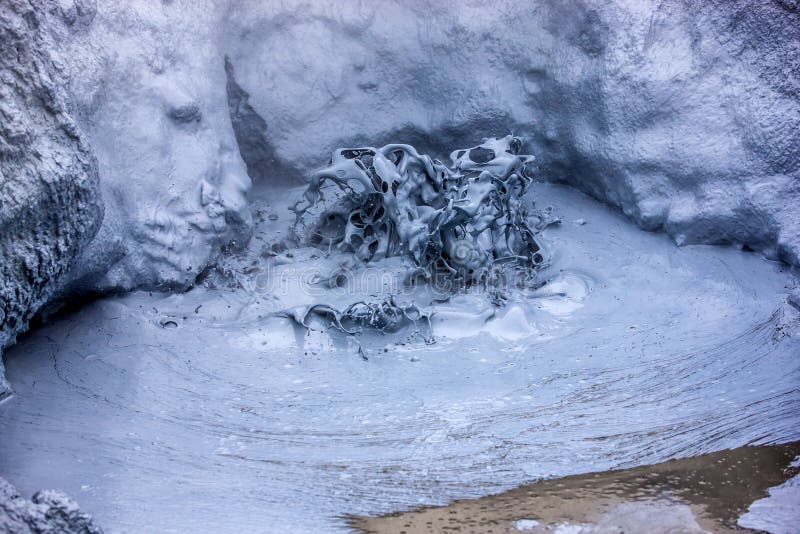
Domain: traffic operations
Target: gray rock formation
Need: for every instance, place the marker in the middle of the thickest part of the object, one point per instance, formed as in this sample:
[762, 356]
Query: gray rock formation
[48, 512]
[687, 117]
[149, 85]
[49, 199]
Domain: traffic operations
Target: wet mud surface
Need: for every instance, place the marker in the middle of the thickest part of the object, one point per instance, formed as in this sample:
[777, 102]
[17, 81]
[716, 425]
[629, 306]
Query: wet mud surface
[707, 492]
[214, 410]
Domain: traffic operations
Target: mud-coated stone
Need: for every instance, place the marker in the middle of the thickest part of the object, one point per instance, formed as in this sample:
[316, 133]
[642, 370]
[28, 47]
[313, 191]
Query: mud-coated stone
[49, 198]
[48, 512]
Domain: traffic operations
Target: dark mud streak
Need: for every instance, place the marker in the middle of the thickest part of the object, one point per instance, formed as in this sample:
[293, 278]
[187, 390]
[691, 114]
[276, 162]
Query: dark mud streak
[263, 164]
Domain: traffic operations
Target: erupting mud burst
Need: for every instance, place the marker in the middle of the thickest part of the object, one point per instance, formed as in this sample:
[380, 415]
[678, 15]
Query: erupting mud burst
[455, 223]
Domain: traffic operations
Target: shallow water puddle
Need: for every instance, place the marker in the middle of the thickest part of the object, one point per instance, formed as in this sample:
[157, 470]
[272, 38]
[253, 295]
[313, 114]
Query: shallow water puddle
[706, 493]
[206, 411]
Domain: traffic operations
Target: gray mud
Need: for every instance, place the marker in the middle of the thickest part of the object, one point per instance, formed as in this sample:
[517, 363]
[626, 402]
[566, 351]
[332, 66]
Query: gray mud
[214, 410]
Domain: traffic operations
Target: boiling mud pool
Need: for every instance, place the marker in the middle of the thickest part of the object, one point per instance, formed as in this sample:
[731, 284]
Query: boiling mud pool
[214, 410]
